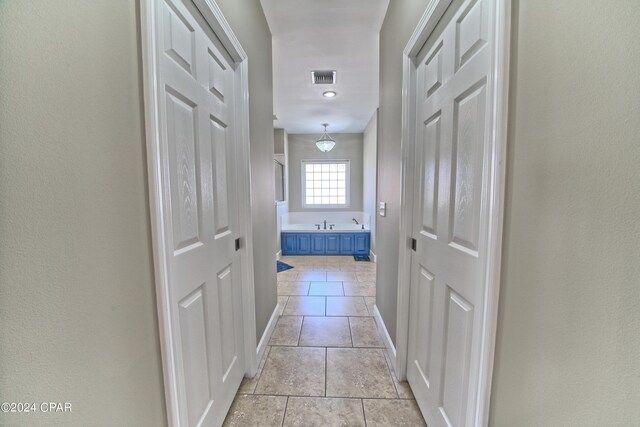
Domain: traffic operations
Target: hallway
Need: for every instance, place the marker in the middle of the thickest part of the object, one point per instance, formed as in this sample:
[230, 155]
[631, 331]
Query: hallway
[325, 364]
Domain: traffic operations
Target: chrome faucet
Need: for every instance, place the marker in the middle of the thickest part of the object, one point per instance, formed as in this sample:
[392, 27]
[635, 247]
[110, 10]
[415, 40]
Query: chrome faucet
[325, 224]
[355, 220]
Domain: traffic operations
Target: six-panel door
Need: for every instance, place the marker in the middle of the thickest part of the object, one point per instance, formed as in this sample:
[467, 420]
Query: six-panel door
[196, 80]
[447, 286]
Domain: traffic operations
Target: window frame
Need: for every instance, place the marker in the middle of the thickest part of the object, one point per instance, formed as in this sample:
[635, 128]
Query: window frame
[303, 179]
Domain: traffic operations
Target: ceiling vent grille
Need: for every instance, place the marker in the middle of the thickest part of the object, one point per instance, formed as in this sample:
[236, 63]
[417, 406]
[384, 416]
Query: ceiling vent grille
[323, 77]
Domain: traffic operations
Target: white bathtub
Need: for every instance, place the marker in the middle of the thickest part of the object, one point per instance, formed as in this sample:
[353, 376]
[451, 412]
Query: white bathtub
[337, 227]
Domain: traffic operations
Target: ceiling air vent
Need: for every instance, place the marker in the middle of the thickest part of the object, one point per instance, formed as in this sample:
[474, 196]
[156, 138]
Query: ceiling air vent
[323, 77]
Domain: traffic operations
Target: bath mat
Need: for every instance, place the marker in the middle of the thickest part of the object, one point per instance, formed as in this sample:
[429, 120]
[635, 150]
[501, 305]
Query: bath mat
[281, 266]
[361, 258]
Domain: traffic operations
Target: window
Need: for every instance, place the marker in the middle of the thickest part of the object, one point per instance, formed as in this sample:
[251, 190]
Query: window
[325, 184]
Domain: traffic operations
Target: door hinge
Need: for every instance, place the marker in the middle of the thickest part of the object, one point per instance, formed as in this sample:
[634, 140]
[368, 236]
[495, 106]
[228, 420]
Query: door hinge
[414, 244]
[238, 244]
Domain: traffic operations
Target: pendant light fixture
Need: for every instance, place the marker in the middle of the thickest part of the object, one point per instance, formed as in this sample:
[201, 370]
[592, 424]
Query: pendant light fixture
[325, 143]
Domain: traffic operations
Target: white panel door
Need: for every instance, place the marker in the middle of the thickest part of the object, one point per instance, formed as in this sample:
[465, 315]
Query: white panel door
[200, 209]
[450, 211]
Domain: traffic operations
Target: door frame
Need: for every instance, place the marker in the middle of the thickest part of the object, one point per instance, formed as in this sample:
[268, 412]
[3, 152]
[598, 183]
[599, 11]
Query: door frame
[151, 37]
[498, 111]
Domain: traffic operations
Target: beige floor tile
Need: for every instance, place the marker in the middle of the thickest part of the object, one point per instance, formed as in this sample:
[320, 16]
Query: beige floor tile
[360, 289]
[397, 413]
[305, 306]
[287, 331]
[364, 332]
[346, 306]
[293, 288]
[282, 302]
[357, 372]
[325, 332]
[248, 385]
[349, 267]
[313, 276]
[341, 276]
[370, 302]
[323, 412]
[287, 276]
[326, 288]
[366, 267]
[253, 410]
[298, 371]
[365, 277]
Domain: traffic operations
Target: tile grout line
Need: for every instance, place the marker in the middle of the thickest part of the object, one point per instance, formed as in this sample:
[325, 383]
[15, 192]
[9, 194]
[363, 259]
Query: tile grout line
[364, 415]
[284, 415]
[266, 356]
[393, 376]
[350, 331]
[300, 332]
[326, 355]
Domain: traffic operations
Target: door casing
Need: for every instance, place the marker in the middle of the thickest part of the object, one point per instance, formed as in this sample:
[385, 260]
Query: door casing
[150, 33]
[498, 111]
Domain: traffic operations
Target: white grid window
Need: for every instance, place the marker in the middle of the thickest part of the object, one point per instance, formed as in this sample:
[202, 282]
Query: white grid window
[325, 183]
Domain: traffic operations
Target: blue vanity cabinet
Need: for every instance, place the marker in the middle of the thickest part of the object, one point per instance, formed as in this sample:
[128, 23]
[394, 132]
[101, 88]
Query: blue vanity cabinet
[346, 244]
[361, 244]
[288, 242]
[318, 244]
[332, 244]
[337, 243]
[303, 244]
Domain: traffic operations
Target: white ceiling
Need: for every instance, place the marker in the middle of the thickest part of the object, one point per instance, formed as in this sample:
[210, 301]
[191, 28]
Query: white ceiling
[340, 35]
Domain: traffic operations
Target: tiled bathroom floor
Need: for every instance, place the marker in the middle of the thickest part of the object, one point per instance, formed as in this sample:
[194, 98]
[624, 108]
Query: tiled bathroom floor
[325, 364]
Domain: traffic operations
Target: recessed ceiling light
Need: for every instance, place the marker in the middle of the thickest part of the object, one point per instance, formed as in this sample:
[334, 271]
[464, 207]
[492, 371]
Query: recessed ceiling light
[329, 94]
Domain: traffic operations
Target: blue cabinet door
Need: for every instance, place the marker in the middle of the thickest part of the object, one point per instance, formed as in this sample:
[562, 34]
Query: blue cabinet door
[346, 244]
[317, 244]
[361, 244]
[303, 242]
[288, 244]
[332, 244]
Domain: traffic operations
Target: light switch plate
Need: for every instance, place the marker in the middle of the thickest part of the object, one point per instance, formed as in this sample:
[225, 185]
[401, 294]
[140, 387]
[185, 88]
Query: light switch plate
[382, 209]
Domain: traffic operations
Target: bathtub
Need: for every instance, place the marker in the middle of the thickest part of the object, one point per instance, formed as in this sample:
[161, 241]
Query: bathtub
[359, 228]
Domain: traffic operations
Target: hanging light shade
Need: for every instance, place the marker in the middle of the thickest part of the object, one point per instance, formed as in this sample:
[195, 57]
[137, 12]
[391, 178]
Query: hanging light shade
[325, 143]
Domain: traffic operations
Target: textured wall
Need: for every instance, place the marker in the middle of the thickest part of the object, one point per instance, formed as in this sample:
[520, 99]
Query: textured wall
[402, 18]
[369, 173]
[250, 26]
[569, 336]
[303, 147]
[77, 300]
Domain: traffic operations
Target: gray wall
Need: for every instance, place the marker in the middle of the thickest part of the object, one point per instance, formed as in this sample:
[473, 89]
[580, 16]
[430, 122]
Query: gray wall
[569, 335]
[250, 26]
[279, 137]
[569, 326]
[76, 272]
[369, 173]
[77, 300]
[400, 21]
[303, 147]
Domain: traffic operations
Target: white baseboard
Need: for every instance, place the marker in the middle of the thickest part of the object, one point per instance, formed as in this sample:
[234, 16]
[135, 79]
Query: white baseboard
[373, 256]
[266, 336]
[386, 339]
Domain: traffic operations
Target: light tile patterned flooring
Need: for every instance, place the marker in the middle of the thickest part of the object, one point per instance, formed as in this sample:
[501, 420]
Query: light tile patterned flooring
[325, 364]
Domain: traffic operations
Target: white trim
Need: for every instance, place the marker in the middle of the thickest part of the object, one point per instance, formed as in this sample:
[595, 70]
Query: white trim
[373, 256]
[152, 100]
[386, 338]
[499, 111]
[266, 336]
